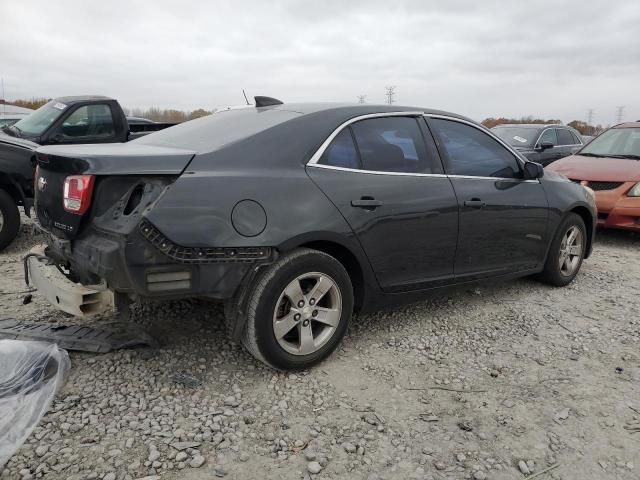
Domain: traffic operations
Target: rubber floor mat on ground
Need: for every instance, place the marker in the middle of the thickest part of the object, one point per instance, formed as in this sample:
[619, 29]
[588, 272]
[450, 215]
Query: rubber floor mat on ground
[76, 337]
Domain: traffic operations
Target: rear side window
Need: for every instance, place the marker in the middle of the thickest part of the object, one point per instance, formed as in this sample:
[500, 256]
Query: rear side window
[565, 137]
[471, 152]
[89, 121]
[549, 136]
[393, 144]
[342, 152]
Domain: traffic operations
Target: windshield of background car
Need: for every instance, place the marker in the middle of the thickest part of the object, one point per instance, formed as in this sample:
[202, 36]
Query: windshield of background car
[615, 142]
[38, 122]
[5, 122]
[214, 131]
[517, 136]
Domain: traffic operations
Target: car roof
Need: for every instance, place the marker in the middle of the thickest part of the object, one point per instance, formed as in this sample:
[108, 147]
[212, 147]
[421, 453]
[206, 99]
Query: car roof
[81, 98]
[6, 108]
[532, 125]
[628, 125]
[356, 110]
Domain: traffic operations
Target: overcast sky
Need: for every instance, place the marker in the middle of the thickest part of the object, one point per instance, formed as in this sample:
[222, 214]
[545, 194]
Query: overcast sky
[553, 59]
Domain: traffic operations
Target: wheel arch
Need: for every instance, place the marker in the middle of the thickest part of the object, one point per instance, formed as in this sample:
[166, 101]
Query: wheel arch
[14, 190]
[588, 220]
[344, 249]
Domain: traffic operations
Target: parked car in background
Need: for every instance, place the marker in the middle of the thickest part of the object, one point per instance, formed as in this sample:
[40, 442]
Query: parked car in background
[610, 165]
[540, 143]
[66, 120]
[295, 215]
[139, 121]
[10, 114]
[587, 138]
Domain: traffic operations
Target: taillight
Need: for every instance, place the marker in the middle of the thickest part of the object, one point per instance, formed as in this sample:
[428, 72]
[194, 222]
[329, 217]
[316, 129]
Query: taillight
[77, 193]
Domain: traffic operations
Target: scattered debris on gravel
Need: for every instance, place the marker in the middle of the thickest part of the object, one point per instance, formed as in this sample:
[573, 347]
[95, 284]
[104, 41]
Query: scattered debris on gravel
[506, 381]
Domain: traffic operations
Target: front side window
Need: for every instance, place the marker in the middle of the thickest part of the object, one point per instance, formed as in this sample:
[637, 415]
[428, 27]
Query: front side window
[565, 137]
[471, 152]
[576, 138]
[393, 144]
[549, 136]
[89, 121]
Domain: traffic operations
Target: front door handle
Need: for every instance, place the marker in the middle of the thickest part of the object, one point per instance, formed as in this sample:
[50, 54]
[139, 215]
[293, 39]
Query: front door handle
[474, 203]
[368, 203]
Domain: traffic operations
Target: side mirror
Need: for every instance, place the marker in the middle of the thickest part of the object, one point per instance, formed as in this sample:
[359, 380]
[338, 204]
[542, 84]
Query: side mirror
[56, 138]
[545, 146]
[533, 170]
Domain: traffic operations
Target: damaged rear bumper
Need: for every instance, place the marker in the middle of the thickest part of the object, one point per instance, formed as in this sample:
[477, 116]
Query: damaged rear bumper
[61, 292]
[145, 264]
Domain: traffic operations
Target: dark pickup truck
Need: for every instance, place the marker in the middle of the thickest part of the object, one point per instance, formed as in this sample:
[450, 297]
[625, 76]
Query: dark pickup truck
[62, 121]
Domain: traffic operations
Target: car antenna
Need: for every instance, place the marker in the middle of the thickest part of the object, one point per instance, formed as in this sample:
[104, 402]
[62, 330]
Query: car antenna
[245, 97]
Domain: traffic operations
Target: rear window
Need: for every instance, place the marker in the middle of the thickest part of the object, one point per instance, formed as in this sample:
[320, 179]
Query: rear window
[212, 132]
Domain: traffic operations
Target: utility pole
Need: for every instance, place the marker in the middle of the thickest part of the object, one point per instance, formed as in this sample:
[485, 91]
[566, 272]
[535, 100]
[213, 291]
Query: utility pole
[619, 114]
[391, 91]
[590, 127]
[361, 98]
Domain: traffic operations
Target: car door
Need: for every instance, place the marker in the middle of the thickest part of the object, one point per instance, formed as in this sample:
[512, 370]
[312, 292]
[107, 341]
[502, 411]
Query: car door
[385, 177]
[503, 217]
[552, 154]
[91, 123]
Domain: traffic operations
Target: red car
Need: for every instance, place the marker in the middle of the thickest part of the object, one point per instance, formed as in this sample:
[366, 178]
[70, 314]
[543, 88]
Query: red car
[610, 165]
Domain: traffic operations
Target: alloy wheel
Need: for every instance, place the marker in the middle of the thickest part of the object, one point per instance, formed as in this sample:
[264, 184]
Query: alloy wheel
[307, 313]
[571, 250]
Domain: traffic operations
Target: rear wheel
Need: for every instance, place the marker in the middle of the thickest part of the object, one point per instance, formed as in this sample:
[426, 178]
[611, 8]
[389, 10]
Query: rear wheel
[9, 219]
[298, 310]
[566, 252]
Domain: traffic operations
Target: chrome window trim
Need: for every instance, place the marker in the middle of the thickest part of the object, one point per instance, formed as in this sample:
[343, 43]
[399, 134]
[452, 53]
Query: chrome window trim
[377, 172]
[315, 158]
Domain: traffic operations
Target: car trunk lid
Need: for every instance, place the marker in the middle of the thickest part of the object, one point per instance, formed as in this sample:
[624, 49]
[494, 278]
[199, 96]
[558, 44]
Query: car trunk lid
[57, 163]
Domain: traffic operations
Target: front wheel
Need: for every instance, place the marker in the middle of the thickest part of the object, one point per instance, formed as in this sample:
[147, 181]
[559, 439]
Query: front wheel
[9, 219]
[566, 252]
[298, 310]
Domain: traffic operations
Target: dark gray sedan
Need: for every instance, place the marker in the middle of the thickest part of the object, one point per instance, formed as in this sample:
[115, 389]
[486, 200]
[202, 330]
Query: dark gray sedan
[295, 215]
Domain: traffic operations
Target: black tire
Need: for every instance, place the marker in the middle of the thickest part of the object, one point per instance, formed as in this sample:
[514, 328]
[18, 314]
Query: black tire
[259, 337]
[10, 222]
[552, 273]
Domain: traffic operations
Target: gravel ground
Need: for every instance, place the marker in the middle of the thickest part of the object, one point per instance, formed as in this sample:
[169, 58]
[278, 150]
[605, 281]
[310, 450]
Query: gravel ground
[498, 382]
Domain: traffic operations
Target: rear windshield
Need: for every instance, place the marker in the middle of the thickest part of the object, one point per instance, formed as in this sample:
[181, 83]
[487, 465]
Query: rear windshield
[517, 136]
[212, 132]
[615, 142]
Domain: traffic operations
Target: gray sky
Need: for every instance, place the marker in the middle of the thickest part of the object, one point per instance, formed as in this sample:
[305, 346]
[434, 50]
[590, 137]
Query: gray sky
[553, 59]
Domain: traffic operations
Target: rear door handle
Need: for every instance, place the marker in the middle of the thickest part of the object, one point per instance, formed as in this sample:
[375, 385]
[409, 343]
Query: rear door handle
[474, 203]
[368, 203]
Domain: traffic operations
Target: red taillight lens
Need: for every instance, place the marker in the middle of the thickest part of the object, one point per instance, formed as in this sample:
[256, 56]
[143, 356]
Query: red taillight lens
[77, 193]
